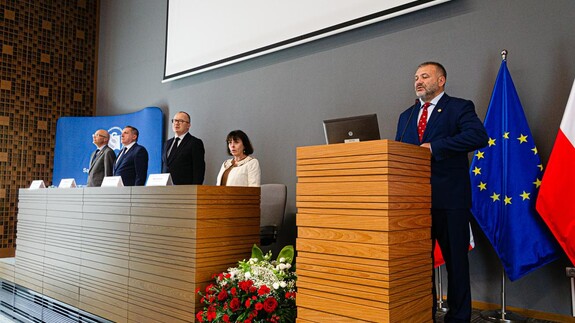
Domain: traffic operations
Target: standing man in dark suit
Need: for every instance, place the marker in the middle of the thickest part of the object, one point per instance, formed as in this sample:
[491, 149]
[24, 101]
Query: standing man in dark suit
[183, 155]
[132, 162]
[450, 129]
[102, 160]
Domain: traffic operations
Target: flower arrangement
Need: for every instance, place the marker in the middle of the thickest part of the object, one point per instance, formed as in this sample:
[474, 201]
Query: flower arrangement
[257, 290]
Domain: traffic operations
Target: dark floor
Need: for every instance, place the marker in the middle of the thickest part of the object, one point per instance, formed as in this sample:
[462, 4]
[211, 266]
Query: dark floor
[476, 318]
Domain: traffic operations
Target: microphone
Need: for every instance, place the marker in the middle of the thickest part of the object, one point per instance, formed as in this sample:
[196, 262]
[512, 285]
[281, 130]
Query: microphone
[408, 119]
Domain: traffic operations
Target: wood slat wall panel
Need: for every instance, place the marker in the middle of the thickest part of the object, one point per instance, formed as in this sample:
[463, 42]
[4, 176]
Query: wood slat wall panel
[407, 294]
[7, 268]
[133, 254]
[333, 173]
[31, 238]
[392, 269]
[63, 245]
[418, 311]
[364, 238]
[364, 178]
[365, 157]
[348, 287]
[381, 147]
[152, 270]
[370, 189]
[363, 222]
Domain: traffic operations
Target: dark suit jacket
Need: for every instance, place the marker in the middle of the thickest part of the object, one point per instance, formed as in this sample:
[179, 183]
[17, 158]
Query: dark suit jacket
[133, 166]
[453, 130]
[101, 166]
[187, 165]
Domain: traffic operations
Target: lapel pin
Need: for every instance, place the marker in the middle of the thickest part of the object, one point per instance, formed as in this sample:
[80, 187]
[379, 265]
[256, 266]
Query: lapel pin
[439, 110]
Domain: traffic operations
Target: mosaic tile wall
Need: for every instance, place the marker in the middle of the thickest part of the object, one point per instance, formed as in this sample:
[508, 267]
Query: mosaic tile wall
[47, 70]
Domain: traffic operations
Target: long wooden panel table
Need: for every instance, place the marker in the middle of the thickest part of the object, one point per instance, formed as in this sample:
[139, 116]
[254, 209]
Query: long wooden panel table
[132, 254]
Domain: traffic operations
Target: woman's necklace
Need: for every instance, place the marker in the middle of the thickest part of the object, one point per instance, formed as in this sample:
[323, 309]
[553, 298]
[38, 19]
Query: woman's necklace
[235, 162]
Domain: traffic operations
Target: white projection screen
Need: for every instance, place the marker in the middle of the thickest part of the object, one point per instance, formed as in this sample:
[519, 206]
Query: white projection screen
[203, 35]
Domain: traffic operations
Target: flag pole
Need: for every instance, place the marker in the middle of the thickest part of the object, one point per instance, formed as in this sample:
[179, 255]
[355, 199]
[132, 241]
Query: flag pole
[440, 303]
[502, 315]
[571, 274]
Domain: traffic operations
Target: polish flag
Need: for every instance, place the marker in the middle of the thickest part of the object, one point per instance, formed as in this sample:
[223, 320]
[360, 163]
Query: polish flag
[438, 256]
[556, 202]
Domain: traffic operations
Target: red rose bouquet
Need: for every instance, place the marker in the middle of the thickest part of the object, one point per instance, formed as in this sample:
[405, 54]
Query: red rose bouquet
[257, 290]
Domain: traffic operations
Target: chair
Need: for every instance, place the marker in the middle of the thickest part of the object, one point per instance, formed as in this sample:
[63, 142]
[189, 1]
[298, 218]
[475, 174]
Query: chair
[272, 210]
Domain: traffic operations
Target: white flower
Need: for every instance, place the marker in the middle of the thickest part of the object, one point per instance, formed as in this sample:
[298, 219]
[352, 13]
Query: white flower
[288, 266]
[248, 275]
[282, 259]
[283, 284]
[276, 285]
[282, 266]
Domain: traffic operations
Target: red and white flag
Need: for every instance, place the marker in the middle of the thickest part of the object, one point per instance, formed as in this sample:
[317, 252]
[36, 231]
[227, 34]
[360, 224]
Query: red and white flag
[556, 201]
[438, 255]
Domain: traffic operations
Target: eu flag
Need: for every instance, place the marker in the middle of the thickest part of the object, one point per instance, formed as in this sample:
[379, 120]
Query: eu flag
[505, 178]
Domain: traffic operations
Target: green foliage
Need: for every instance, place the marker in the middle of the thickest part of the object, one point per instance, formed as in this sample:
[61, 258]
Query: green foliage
[287, 253]
[257, 253]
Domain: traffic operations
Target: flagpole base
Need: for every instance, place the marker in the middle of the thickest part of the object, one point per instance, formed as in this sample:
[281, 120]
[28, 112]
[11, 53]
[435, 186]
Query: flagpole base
[441, 307]
[495, 316]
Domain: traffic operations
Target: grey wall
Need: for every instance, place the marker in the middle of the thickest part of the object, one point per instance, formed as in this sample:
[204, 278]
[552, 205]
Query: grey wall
[280, 99]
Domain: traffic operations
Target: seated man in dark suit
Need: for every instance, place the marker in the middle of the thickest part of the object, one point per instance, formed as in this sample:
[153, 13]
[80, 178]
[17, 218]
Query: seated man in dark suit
[102, 159]
[183, 155]
[132, 162]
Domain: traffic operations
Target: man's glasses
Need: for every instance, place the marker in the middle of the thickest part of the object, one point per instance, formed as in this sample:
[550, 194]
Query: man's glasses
[179, 121]
[99, 135]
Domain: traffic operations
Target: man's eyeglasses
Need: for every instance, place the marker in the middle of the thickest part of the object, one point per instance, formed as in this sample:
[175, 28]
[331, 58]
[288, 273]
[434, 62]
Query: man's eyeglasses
[179, 121]
[99, 135]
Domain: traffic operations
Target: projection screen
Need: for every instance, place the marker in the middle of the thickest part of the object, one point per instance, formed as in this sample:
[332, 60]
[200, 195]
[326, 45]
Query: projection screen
[203, 35]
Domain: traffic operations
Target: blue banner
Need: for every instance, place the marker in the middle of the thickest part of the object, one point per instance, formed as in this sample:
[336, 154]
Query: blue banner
[74, 141]
[505, 178]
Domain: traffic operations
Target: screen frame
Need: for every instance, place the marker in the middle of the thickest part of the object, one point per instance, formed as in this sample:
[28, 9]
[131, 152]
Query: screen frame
[398, 7]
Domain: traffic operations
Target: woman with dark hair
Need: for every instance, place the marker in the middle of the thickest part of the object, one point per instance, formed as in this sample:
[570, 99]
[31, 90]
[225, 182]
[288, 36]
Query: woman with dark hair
[242, 169]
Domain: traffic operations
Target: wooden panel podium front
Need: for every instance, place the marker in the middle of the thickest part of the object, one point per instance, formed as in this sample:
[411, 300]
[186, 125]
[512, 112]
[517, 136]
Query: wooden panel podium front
[364, 233]
[132, 254]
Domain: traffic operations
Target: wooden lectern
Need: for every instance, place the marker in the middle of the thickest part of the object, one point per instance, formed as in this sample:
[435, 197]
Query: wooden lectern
[364, 233]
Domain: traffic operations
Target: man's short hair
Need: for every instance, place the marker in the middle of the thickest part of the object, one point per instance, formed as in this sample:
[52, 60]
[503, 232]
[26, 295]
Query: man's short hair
[437, 65]
[184, 112]
[134, 131]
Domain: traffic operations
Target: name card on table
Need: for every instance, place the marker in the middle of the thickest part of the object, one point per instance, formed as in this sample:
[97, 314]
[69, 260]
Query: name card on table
[37, 184]
[159, 180]
[67, 183]
[112, 181]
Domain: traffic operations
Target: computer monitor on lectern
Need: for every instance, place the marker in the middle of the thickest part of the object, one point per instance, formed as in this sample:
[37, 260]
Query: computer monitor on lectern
[351, 129]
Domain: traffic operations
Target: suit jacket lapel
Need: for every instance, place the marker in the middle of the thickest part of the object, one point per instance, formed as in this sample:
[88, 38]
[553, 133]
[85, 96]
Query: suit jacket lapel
[93, 160]
[412, 126]
[124, 156]
[177, 148]
[438, 110]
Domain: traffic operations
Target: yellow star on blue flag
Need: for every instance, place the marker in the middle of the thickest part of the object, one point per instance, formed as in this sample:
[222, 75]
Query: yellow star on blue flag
[512, 168]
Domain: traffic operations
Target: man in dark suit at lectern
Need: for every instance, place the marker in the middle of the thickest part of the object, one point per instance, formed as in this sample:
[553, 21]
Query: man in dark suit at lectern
[183, 155]
[450, 129]
[132, 162]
